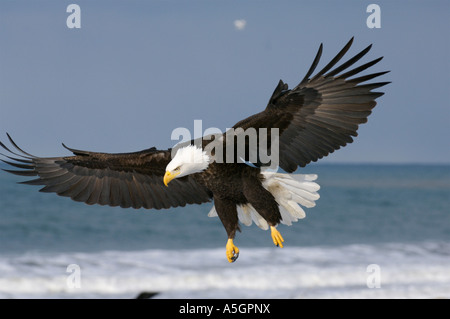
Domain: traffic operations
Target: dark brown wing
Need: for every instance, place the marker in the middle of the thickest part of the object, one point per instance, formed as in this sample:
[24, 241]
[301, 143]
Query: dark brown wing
[126, 180]
[322, 113]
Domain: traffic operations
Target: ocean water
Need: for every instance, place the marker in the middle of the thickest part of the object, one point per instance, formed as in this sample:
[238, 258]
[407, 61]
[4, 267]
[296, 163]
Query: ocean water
[378, 231]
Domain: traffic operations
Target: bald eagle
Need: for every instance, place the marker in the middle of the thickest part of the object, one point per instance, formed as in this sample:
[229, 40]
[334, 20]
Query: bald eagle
[315, 118]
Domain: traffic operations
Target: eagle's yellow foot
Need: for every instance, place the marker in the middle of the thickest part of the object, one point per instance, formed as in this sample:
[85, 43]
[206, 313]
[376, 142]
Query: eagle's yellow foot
[276, 237]
[232, 251]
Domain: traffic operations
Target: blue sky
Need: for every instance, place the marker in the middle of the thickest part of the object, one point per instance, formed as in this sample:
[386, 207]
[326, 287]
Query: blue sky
[136, 70]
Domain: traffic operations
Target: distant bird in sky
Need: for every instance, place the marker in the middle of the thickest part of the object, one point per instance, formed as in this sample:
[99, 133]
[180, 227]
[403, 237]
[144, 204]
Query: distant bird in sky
[240, 24]
[318, 116]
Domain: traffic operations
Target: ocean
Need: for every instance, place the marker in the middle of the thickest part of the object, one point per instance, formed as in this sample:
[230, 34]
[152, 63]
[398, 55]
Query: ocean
[378, 231]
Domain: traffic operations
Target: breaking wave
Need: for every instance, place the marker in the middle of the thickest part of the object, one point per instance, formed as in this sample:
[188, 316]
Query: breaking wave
[405, 271]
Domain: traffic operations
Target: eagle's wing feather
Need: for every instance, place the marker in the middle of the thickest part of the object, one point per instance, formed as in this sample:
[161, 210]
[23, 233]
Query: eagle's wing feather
[126, 179]
[322, 113]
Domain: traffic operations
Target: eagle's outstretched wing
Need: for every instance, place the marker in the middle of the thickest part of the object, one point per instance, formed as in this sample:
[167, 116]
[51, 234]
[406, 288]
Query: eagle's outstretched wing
[322, 113]
[126, 179]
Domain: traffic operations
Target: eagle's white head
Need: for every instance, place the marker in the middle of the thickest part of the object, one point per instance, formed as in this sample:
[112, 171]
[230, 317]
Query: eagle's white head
[188, 160]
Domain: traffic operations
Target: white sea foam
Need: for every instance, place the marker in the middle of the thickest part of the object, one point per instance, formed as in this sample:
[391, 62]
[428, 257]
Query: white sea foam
[406, 271]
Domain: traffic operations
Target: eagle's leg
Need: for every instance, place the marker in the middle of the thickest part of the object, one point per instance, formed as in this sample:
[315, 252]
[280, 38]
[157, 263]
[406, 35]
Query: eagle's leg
[266, 205]
[276, 237]
[227, 212]
[232, 251]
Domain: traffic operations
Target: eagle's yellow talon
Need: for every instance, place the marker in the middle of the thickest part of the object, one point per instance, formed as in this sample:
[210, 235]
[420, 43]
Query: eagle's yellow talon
[232, 251]
[276, 237]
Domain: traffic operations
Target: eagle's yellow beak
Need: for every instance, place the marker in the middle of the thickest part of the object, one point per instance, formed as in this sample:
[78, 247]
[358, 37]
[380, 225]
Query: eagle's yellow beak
[169, 176]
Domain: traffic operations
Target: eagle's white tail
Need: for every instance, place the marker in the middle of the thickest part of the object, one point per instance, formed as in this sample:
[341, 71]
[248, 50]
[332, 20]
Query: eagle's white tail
[290, 191]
